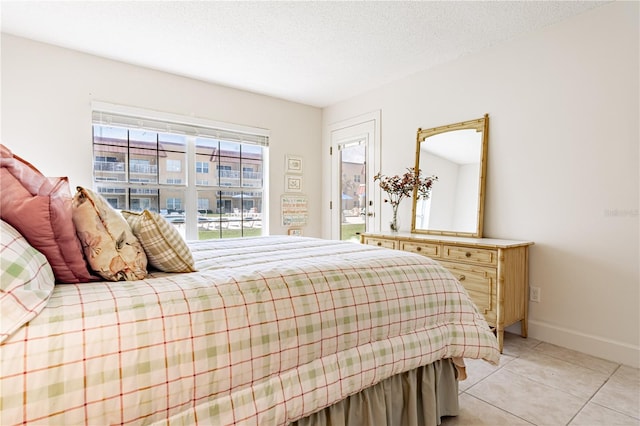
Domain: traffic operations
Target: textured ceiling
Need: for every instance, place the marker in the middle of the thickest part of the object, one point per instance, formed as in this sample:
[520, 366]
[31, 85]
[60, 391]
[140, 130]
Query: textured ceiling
[314, 52]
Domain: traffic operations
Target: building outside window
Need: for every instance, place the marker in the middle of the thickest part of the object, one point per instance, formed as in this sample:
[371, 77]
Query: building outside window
[140, 168]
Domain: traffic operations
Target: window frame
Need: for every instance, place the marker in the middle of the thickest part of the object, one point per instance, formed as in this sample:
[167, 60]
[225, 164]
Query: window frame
[104, 114]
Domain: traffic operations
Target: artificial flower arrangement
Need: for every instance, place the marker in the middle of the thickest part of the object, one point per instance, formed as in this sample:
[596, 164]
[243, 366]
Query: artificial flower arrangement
[399, 187]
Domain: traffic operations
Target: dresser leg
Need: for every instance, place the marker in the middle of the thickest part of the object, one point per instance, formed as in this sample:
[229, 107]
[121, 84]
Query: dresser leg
[500, 336]
[524, 322]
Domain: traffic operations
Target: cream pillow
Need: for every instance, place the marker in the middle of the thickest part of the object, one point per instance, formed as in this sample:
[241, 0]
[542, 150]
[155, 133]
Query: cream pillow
[162, 243]
[110, 247]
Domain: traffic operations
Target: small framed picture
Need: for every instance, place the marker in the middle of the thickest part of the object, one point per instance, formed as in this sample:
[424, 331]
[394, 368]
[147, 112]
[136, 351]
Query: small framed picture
[295, 231]
[293, 164]
[292, 183]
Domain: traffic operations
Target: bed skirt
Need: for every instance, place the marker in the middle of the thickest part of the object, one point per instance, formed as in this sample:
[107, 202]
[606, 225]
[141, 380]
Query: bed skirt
[419, 397]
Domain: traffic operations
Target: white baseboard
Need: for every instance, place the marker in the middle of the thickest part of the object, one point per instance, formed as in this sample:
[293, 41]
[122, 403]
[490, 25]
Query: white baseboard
[620, 352]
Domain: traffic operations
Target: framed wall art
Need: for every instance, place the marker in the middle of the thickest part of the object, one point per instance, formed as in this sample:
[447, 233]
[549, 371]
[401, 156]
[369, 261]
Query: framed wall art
[292, 183]
[294, 210]
[293, 164]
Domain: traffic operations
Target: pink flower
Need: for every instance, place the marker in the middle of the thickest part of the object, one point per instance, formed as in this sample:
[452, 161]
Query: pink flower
[399, 187]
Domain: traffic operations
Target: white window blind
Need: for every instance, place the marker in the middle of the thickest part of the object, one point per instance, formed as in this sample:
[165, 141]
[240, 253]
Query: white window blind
[131, 117]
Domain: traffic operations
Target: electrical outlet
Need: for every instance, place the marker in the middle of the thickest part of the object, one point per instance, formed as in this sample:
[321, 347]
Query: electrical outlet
[534, 294]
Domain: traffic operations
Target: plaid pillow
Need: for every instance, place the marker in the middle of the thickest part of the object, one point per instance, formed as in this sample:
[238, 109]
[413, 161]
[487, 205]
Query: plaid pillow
[26, 280]
[162, 243]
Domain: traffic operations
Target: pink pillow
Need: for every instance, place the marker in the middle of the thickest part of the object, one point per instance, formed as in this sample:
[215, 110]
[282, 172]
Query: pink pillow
[40, 209]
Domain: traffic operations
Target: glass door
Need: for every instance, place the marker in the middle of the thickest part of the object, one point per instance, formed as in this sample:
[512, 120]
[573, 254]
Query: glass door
[354, 206]
[355, 148]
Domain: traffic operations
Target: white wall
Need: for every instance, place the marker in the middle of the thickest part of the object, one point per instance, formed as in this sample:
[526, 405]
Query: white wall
[46, 114]
[563, 164]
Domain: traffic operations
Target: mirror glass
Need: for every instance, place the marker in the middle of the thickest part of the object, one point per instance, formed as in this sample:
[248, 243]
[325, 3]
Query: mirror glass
[456, 154]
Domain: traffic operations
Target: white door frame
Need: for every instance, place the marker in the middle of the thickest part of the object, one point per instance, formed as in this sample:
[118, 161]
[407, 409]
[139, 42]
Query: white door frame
[366, 126]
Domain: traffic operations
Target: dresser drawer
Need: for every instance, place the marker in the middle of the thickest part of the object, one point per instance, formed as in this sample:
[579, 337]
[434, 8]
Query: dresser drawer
[425, 249]
[469, 254]
[479, 281]
[491, 316]
[380, 242]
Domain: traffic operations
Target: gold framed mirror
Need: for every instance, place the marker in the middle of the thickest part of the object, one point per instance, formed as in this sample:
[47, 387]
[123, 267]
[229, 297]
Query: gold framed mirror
[457, 155]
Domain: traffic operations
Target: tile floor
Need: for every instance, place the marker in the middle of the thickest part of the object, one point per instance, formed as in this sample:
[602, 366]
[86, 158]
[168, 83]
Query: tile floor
[541, 384]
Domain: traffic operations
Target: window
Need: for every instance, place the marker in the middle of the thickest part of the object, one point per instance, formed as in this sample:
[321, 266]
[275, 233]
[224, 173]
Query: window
[142, 166]
[113, 202]
[174, 204]
[223, 170]
[174, 165]
[203, 205]
[140, 204]
[104, 159]
[202, 167]
[207, 178]
[108, 164]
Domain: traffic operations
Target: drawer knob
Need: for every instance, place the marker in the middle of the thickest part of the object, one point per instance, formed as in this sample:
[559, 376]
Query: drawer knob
[418, 248]
[468, 254]
[379, 243]
[461, 278]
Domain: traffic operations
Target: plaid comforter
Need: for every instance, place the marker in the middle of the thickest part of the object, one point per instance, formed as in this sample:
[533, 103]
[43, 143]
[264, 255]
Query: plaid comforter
[269, 330]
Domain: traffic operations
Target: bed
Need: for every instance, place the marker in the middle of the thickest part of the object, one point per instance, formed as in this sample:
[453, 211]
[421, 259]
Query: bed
[269, 330]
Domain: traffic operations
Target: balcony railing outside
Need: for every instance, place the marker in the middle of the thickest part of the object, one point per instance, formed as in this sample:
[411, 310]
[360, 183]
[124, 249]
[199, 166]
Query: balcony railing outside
[108, 166]
[232, 178]
[144, 168]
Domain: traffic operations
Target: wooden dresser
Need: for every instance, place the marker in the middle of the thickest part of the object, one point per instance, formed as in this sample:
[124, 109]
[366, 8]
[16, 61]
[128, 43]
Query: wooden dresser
[494, 272]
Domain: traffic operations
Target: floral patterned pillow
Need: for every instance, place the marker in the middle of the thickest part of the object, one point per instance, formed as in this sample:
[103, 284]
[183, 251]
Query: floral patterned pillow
[109, 245]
